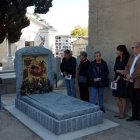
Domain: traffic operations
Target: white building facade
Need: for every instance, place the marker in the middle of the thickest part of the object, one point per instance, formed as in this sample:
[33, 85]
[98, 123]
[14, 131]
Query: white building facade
[38, 33]
[62, 42]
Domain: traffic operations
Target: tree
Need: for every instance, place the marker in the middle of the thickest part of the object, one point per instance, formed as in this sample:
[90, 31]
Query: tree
[13, 16]
[79, 31]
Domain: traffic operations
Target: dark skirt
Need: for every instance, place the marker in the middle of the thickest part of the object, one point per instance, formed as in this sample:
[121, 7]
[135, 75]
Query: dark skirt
[121, 90]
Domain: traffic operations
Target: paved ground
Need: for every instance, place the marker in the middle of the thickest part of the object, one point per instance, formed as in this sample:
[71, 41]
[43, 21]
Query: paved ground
[126, 130]
[12, 129]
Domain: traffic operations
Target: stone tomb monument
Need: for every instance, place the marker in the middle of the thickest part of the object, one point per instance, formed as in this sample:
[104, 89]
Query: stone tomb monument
[58, 113]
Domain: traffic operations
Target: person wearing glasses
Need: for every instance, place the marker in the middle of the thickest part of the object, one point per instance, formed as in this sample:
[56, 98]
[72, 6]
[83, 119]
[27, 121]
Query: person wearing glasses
[132, 72]
[98, 73]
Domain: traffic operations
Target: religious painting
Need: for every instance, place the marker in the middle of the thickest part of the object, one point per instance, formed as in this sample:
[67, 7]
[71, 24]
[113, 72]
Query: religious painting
[34, 75]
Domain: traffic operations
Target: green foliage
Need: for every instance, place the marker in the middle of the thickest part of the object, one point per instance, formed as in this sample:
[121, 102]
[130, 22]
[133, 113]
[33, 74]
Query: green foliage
[13, 18]
[79, 31]
[35, 86]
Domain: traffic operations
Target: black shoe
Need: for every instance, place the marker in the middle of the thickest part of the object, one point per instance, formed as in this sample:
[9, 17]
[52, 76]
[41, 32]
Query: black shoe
[122, 117]
[116, 116]
[132, 119]
[102, 109]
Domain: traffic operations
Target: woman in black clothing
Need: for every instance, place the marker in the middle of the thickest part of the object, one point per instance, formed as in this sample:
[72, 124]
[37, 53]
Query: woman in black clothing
[120, 93]
[83, 79]
[98, 72]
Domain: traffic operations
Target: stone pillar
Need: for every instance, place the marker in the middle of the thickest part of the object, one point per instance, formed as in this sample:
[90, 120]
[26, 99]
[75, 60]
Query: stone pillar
[8, 61]
[111, 23]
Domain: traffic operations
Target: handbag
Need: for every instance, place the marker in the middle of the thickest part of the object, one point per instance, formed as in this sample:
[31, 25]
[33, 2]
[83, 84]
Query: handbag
[82, 79]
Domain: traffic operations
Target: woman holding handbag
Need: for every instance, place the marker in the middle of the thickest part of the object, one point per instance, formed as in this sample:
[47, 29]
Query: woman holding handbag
[83, 78]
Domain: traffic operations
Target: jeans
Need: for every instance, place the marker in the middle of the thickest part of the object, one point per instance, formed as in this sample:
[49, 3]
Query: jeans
[70, 85]
[94, 93]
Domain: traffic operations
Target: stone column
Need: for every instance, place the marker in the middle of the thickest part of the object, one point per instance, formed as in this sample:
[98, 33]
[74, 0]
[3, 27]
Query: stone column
[8, 46]
[8, 62]
[111, 23]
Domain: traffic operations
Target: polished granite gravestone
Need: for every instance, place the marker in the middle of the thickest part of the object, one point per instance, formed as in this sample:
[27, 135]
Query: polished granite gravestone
[58, 113]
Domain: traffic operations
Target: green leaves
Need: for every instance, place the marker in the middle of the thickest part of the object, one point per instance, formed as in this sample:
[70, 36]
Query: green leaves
[79, 31]
[13, 16]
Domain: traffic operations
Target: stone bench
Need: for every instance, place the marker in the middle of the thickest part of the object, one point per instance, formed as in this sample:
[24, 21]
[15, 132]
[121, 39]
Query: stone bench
[8, 80]
[7, 83]
[2, 91]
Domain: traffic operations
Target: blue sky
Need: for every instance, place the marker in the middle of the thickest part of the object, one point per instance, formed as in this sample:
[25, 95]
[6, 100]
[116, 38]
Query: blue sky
[66, 14]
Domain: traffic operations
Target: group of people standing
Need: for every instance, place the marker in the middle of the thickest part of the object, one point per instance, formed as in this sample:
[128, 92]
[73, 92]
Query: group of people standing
[94, 74]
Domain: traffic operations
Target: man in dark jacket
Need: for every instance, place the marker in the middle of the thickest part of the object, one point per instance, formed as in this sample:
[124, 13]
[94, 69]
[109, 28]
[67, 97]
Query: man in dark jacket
[68, 68]
[98, 73]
